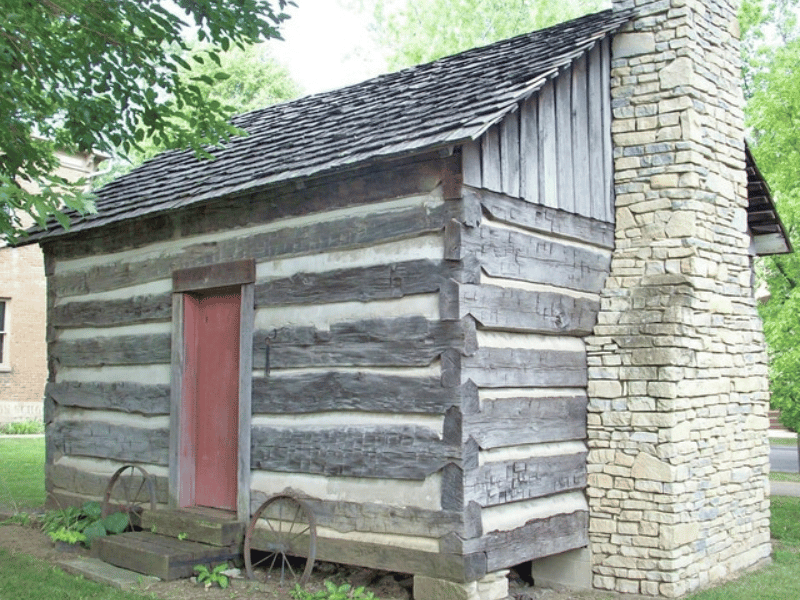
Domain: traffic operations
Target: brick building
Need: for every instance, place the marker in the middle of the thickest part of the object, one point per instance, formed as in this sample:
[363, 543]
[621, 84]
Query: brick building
[23, 312]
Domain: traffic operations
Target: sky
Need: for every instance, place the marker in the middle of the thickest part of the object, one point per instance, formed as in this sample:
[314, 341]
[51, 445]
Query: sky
[327, 46]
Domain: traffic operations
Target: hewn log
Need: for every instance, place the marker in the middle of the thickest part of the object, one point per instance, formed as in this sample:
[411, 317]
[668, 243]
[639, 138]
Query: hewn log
[406, 452]
[518, 367]
[532, 258]
[391, 557]
[105, 313]
[542, 219]
[109, 440]
[509, 481]
[514, 309]
[321, 236]
[120, 350]
[347, 391]
[361, 284]
[372, 184]
[78, 481]
[536, 539]
[407, 341]
[516, 421]
[369, 517]
[127, 397]
[217, 275]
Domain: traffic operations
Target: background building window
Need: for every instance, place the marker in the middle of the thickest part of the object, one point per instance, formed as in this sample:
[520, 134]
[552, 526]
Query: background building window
[3, 333]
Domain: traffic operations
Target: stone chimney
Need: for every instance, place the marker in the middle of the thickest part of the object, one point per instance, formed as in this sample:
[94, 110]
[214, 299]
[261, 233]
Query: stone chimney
[679, 453]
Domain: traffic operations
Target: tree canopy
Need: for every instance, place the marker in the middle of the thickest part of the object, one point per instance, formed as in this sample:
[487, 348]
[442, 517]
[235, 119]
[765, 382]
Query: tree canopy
[420, 31]
[771, 53]
[93, 75]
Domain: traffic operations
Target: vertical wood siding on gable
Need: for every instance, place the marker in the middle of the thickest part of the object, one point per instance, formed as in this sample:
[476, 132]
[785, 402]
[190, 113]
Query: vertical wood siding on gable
[556, 149]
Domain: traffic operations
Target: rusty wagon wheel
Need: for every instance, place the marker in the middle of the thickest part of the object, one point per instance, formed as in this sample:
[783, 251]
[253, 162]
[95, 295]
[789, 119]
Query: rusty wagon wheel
[130, 490]
[282, 541]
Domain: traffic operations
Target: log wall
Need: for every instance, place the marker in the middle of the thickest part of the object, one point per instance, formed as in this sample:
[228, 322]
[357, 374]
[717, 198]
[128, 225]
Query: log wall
[536, 244]
[349, 406]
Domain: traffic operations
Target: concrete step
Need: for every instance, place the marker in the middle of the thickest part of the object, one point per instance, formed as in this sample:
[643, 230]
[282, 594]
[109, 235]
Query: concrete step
[100, 571]
[204, 525]
[161, 556]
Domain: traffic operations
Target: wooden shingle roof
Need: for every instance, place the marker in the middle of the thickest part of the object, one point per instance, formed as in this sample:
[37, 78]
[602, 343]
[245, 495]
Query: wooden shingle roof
[445, 102]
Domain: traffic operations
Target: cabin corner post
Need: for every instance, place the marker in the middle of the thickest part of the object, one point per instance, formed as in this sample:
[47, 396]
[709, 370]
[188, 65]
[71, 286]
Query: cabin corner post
[176, 400]
[677, 423]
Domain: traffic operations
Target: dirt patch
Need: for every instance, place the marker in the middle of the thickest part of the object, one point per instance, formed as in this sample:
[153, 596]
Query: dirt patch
[385, 585]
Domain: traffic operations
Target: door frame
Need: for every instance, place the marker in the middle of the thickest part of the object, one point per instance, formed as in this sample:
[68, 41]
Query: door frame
[186, 281]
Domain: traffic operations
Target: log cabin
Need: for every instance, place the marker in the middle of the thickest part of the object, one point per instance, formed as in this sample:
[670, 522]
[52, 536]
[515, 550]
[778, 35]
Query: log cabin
[434, 305]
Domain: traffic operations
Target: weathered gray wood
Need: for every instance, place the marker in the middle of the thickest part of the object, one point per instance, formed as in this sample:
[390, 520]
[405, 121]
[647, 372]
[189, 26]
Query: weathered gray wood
[390, 557]
[120, 350]
[513, 309]
[348, 391]
[374, 183]
[534, 258]
[506, 422]
[452, 487]
[548, 175]
[408, 341]
[566, 185]
[452, 177]
[536, 539]
[608, 147]
[490, 146]
[471, 161]
[348, 232]
[580, 138]
[105, 313]
[510, 155]
[347, 517]
[543, 219]
[245, 414]
[176, 425]
[404, 452]
[217, 275]
[394, 280]
[529, 150]
[597, 165]
[516, 367]
[93, 484]
[504, 482]
[141, 398]
[110, 440]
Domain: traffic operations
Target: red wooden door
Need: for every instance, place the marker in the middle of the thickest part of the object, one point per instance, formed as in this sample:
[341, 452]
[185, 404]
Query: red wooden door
[210, 444]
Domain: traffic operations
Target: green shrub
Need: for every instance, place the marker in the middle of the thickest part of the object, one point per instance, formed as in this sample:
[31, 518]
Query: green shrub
[87, 521]
[22, 427]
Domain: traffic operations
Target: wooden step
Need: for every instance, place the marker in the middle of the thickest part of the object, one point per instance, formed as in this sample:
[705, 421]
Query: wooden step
[161, 556]
[205, 525]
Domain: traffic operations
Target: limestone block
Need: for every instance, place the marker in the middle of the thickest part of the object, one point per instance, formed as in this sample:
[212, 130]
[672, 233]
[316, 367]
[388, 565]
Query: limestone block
[428, 588]
[673, 536]
[646, 466]
[571, 569]
[682, 224]
[633, 44]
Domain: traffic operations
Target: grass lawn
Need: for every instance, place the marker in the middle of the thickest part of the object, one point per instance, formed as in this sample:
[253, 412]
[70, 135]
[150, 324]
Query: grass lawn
[25, 578]
[22, 472]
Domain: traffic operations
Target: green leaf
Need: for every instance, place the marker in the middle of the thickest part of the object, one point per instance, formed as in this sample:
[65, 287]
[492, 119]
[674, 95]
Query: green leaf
[92, 509]
[116, 522]
[94, 531]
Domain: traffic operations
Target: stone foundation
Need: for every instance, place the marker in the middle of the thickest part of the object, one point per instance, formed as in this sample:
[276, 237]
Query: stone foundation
[493, 586]
[679, 454]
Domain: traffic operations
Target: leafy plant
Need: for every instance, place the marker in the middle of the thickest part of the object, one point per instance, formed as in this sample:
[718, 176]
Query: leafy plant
[333, 592]
[22, 427]
[69, 536]
[86, 520]
[214, 576]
